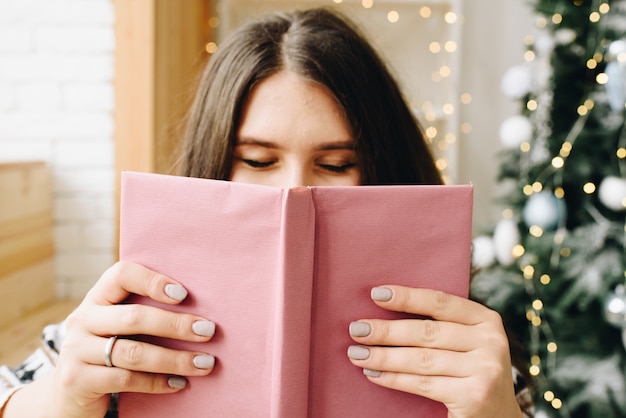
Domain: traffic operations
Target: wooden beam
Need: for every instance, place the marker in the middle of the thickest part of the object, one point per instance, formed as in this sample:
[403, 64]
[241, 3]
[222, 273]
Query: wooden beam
[181, 35]
[160, 47]
[134, 84]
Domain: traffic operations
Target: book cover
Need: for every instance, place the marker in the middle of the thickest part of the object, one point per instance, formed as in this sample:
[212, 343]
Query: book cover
[282, 273]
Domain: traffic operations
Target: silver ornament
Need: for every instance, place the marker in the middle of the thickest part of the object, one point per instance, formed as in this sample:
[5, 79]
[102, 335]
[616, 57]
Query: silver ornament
[615, 307]
[544, 209]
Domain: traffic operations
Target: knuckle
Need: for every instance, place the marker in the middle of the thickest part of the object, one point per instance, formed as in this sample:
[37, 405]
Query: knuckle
[117, 270]
[155, 282]
[73, 320]
[498, 342]
[441, 301]
[383, 330]
[425, 359]
[379, 357]
[183, 361]
[430, 330]
[130, 351]
[179, 324]
[495, 318]
[424, 384]
[68, 376]
[131, 315]
[123, 379]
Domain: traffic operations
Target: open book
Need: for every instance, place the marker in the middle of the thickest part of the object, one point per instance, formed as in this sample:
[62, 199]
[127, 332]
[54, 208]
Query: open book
[282, 273]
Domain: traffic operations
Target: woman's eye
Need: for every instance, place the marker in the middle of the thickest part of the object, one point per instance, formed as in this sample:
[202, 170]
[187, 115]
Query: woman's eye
[342, 168]
[257, 163]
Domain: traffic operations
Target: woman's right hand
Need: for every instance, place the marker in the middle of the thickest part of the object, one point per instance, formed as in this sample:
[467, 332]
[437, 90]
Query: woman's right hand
[81, 383]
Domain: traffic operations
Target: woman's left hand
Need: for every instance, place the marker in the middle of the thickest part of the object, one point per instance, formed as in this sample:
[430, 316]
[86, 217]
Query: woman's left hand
[460, 357]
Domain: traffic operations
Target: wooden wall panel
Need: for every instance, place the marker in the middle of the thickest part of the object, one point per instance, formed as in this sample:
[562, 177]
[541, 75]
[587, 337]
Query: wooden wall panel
[160, 48]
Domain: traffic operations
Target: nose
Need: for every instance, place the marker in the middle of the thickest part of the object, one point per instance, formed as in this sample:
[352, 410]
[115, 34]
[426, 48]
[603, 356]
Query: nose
[298, 176]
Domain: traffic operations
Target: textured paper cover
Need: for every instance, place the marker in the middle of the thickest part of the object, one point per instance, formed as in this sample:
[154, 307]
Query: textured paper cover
[283, 272]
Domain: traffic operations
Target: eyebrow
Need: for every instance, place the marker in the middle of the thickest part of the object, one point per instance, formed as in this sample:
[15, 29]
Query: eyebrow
[328, 146]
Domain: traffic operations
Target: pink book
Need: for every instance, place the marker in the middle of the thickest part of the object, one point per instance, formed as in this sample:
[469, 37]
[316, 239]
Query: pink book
[282, 273]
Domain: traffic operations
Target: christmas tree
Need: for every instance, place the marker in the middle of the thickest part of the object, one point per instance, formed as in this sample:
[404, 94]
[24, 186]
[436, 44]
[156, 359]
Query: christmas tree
[554, 266]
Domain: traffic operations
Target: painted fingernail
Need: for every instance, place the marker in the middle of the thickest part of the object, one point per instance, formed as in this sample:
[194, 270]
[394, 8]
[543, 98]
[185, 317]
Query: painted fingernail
[175, 291]
[204, 361]
[177, 382]
[372, 373]
[356, 352]
[203, 328]
[360, 329]
[382, 294]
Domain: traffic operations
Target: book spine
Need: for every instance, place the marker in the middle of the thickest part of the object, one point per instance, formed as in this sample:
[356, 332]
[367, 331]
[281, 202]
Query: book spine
[290, 372]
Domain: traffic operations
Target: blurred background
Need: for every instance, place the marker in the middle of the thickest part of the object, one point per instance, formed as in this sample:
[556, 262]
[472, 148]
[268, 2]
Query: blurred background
[523, 99]
[92, 87]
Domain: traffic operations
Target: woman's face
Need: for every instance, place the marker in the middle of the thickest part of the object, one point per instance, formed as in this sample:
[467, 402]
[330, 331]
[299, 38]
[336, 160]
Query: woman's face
[293, 133]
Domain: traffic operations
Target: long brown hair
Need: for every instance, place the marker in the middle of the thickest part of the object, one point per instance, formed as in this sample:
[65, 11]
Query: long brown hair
[325, 48]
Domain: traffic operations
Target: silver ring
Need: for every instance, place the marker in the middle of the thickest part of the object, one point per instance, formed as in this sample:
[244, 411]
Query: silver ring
[107, 351]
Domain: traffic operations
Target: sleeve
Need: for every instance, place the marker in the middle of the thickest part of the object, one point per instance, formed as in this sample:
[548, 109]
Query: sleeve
[523, 394]
[38, 364]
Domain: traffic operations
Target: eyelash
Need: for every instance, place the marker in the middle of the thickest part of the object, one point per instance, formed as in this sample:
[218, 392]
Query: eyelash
[258, 164]
[329, 167]
[337, 168]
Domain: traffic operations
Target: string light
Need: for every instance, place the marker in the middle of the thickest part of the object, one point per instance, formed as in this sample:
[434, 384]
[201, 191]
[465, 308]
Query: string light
[450, 18]
[450, 46]
[536, 231]
[589, 188]
[214, 22]
[211, 47]
[525, 146]
[393, 16]
[544, 361]
[602, 78]
[434, 47]
[425, 12]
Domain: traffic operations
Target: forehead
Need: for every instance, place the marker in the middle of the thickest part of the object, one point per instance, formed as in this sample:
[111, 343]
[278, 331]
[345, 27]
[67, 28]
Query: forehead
[287, 103]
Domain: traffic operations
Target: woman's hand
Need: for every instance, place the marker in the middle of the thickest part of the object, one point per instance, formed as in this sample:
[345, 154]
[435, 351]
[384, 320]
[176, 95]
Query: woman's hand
[460, 357]
[81, 384]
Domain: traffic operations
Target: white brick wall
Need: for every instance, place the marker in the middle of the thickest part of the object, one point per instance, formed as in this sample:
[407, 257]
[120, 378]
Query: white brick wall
[56, 105]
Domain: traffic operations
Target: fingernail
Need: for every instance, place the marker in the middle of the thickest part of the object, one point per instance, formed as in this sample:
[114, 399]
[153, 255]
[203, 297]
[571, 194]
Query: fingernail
[356, 352]
[204, 361]
[382, 294]
[175, 291]
[203, 328]
[360, 329]
[177, 382]
[372, 373]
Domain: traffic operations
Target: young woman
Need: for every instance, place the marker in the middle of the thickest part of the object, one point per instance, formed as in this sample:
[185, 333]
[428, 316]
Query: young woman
[289, 100]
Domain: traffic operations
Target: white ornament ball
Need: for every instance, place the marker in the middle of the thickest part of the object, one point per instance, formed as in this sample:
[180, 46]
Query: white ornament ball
[516, 82]
[483, 253]
[515, 130]
[615, 90]
[544, 44]
[564, 36]
[612, 193]
[615, 307]
[615, 49]
[544, 210]
[505, 237]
